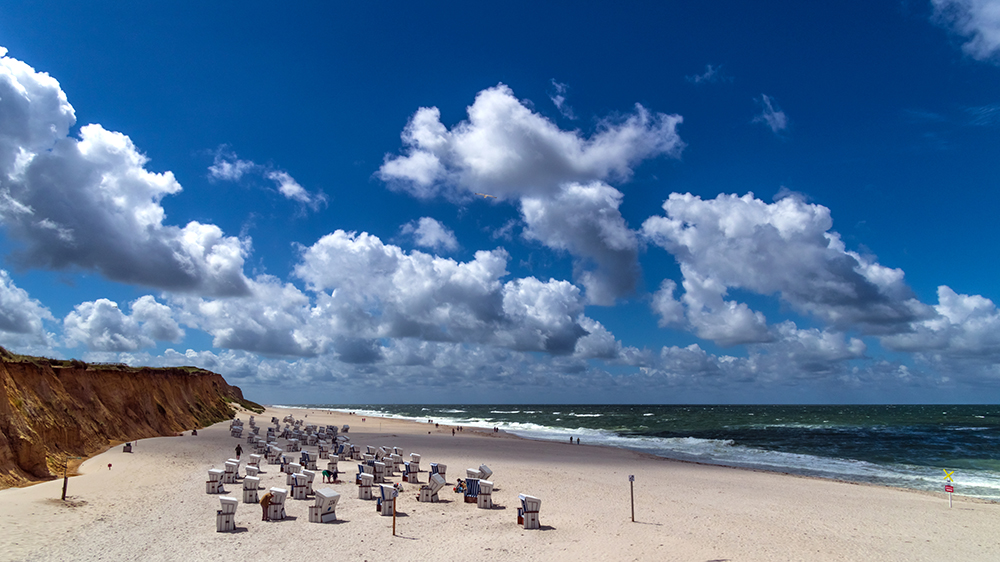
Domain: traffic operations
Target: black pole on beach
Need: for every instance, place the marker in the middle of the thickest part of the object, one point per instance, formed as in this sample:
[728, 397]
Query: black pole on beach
[65, 479]
[631, 490]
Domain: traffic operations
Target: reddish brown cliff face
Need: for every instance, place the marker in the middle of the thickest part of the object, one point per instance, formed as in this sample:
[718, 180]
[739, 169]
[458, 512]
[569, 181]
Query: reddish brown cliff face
[53, 409]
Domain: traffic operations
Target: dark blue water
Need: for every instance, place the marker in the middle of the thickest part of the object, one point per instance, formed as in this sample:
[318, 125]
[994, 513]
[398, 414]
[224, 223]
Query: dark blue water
[903, 446]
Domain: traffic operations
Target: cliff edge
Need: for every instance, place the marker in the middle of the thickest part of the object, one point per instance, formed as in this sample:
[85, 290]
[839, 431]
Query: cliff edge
[54, 409]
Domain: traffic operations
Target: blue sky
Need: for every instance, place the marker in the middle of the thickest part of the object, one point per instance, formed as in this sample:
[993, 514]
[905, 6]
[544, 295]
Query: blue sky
[684, 202]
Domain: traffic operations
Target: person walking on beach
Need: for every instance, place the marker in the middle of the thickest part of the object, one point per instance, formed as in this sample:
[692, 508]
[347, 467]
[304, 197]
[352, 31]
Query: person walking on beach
[239, 451]
[265, 502]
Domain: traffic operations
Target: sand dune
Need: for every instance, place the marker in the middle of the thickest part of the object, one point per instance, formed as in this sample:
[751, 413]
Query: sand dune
[152, 505]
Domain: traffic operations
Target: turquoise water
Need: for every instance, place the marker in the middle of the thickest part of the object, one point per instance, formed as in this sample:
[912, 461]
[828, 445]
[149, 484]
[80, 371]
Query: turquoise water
[902, 446]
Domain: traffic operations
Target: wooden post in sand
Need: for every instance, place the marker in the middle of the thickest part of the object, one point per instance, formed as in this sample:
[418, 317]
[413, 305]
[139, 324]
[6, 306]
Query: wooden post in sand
[631, 490]
[395, 497]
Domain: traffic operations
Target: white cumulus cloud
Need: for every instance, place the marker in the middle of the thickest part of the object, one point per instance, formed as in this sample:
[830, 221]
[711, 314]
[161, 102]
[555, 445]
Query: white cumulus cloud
[431, 233]
[90, 203]
[21, 316]
[102, 326]
[785, 248]
[560, 177]
[977, 21]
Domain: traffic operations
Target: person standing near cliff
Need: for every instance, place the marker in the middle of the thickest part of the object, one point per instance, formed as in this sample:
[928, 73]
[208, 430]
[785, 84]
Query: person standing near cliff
[239, 451]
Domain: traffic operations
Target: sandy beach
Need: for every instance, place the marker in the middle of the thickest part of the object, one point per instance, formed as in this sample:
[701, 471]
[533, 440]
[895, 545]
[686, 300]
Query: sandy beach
[151, 505]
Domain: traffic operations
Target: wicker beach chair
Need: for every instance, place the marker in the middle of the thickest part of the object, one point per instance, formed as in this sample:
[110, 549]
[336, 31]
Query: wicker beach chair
[324, 510]
[429, 493]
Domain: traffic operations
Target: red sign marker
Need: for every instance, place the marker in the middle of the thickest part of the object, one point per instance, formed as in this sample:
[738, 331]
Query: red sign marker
[949, 488]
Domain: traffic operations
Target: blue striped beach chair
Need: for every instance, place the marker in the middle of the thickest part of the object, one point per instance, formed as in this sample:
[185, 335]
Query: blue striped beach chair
[471, 490]
[437, 468]
[387, 500]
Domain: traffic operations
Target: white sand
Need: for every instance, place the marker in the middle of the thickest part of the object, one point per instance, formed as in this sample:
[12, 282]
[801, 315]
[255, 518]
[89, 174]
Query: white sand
[152, 505]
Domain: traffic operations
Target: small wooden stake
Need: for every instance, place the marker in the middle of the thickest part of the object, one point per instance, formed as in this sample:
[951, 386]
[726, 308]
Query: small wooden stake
[394, 516]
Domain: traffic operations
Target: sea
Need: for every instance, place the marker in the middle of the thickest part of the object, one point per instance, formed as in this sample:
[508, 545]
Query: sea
[915, 447]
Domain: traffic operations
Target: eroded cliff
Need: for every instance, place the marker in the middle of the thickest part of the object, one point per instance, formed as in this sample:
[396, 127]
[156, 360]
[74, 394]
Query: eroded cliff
[55, 409]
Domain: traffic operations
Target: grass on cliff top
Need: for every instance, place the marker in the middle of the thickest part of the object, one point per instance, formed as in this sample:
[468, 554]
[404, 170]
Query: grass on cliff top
[9, 357]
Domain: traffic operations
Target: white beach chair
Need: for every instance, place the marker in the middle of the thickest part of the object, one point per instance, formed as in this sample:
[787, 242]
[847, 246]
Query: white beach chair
[485, 498]
[225, 518]
[310, 478]
[230, 473]
[214, 483]
[486, 472]
[429, 493]
[276, 511]
[438, 468]
[397, 462]
[250, 486]
[387, 500]
[412, 473]
[311, 464]
[365, 489]
[299, 484]
[323, 452]
[325, 508]
[331, 464]
[236, 431]
[379, 472]
[252, 471]
[293, 468]
[473, 473]
[254, 460]
[415, 461]
[527, 514]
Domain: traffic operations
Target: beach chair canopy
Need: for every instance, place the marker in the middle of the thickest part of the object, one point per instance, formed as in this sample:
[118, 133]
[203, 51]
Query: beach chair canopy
[278, 495]
[326, 499]
[229, 504]
[436, 483]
